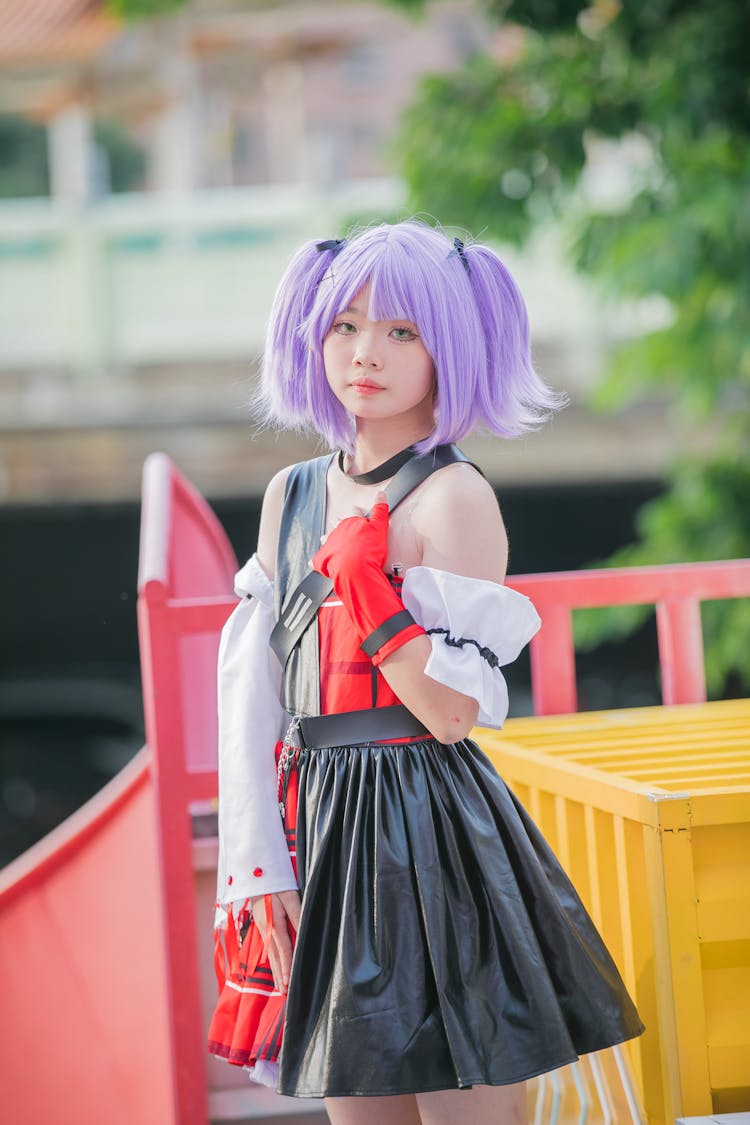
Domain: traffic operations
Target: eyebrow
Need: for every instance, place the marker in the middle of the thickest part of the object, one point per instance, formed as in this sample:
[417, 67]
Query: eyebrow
[354, 309]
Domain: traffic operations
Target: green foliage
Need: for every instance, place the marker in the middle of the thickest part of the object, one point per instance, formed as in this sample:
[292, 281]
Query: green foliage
[24, 167]
[126, 160]
[705, 515]
[23, 158]
[413, 8]
[498, 147]
[142, 9]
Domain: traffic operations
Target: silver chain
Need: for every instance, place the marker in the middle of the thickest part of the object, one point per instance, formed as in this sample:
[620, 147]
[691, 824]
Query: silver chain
[286, 756]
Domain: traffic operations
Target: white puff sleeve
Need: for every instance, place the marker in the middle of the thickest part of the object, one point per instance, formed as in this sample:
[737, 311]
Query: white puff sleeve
[475, 627]
[253, 856]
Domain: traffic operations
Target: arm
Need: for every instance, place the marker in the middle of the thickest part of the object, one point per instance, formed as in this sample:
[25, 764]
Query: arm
[270, 521]
[286, 902]
[461, 530]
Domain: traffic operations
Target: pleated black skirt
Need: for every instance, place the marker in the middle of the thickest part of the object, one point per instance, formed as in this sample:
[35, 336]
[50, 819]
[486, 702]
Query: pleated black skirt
[441, 945]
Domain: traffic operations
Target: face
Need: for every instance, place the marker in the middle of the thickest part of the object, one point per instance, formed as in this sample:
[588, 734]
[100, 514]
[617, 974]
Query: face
[379, 369]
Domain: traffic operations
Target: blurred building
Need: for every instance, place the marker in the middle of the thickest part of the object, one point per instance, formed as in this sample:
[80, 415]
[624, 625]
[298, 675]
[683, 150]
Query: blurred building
[222, 94]
[133, 322]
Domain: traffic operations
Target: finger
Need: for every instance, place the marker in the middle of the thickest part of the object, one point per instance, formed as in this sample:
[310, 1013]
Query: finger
[292, 904]
[284, 952]
[379, 512]
[259, 917]
[275, 962]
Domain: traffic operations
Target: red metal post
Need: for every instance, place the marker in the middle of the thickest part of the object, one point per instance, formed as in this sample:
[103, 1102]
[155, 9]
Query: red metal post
[553, 669]
[678, 624]
[163, 712]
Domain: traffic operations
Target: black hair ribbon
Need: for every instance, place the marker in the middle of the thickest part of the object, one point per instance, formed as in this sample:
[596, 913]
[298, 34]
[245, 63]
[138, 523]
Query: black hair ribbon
[333, 244]
[458, 248]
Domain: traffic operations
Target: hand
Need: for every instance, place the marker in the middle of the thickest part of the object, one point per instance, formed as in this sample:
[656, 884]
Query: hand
[353, 556]
[356, 542]
[286, 912]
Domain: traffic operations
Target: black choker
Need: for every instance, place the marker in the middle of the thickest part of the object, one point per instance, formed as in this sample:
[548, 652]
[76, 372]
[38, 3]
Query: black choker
[380, 472]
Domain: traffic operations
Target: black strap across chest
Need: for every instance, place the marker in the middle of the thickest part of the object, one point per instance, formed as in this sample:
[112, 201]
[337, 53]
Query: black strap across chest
[302, 605]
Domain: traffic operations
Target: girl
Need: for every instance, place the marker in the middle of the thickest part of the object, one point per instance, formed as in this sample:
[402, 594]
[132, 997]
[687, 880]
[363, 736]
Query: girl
[441, 957]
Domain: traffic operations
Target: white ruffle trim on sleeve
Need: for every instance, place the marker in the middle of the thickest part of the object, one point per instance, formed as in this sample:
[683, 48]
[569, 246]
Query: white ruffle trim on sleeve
[253, 855]
[475, 627]
[253, 582]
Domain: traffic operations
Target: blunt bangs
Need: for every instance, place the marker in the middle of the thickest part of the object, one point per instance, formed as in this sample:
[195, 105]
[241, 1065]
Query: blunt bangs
[412, 276]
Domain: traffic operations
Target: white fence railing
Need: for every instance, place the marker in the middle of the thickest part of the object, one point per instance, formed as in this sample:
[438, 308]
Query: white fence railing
[156, 279]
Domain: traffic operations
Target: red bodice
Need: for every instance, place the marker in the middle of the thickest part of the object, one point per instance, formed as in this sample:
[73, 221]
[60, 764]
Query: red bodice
[349, 681]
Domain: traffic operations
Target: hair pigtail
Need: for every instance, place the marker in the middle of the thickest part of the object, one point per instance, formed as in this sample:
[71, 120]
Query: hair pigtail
[283, 397]
[513, 398]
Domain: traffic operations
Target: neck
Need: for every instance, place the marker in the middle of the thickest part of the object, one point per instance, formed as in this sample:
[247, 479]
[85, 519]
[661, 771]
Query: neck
[375, 444]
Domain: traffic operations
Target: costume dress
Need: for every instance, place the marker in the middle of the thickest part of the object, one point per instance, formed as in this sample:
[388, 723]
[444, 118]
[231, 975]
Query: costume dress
[440, 945]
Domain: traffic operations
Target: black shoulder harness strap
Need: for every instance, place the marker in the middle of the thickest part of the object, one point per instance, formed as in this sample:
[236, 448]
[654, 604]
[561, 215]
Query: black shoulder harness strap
[306, 599]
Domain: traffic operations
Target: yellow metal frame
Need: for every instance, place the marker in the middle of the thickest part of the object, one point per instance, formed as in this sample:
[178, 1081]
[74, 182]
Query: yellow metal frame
[648, 810]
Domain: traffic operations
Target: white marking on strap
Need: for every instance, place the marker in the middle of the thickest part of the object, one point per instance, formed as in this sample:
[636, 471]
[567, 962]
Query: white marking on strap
[297, 612]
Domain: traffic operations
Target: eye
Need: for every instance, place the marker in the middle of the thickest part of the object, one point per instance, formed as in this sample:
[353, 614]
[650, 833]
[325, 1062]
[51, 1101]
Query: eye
[403, 333]
[344, 327]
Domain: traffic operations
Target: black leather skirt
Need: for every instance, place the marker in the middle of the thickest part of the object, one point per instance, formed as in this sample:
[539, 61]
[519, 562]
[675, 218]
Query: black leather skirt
[441, 945]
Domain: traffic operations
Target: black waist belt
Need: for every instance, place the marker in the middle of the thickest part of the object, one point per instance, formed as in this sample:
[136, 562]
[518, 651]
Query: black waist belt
[351, 728]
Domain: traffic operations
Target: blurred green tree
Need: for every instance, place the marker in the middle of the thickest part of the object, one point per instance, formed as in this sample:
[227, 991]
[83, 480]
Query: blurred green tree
[23, 158]
[125, 158]
[142, 9]
[24, 164]
[501, 144]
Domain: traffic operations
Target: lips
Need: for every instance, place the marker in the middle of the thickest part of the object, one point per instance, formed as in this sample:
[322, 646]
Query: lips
[366, 387]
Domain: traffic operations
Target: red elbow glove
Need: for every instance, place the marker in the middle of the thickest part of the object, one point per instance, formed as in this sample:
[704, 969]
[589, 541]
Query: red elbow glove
[353, 557]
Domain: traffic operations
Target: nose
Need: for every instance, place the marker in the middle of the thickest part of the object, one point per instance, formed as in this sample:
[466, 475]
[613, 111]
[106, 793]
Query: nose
[365, 353]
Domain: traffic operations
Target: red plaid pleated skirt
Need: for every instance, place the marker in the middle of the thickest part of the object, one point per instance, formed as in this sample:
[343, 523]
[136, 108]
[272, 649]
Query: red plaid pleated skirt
[248, 1021]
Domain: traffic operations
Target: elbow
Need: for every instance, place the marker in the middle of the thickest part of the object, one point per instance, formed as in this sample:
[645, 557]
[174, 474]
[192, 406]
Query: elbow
[456, 725]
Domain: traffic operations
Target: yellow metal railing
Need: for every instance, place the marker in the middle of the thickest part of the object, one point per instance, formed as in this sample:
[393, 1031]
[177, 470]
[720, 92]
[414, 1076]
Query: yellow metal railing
[648, 810]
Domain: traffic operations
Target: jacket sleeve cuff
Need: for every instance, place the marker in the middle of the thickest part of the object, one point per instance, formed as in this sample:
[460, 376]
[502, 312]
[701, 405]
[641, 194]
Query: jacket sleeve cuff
[475, 628]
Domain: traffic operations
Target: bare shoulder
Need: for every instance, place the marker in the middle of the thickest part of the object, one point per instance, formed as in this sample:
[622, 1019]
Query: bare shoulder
[455, 488]
[276, 487]
[458, 521]
[270, 520]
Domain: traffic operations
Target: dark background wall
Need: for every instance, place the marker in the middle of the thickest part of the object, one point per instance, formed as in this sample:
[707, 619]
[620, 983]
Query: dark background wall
[70, 709]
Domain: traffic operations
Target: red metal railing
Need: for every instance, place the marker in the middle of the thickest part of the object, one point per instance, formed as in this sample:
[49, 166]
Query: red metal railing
[184, 584]
[676, 591]
[82, 979]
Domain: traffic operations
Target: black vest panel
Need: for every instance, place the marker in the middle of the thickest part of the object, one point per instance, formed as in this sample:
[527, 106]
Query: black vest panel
[302, 522]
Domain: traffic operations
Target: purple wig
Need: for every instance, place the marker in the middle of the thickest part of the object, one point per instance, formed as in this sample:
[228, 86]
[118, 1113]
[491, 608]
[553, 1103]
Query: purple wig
[466, 307]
